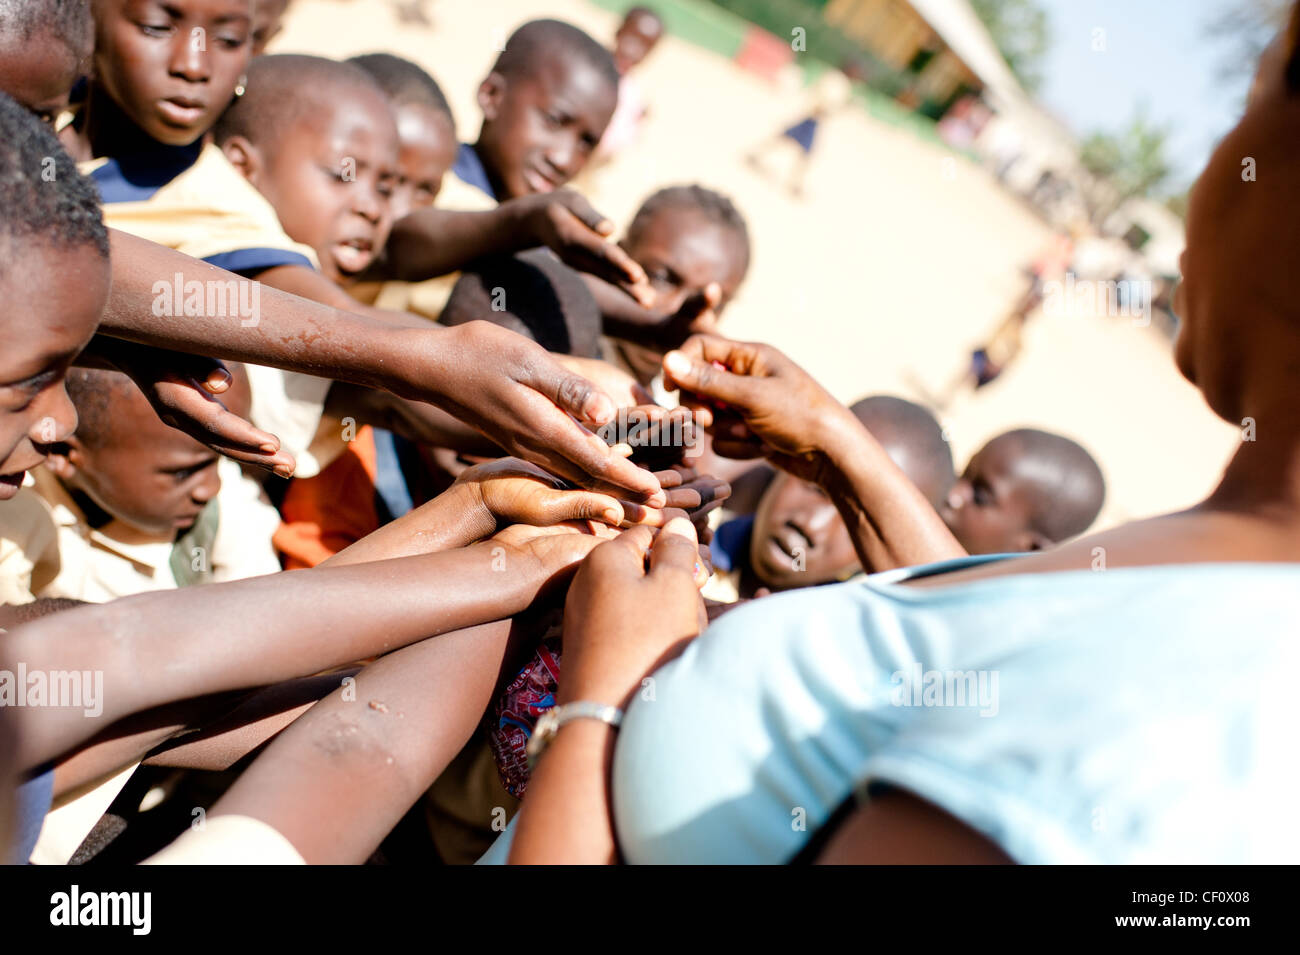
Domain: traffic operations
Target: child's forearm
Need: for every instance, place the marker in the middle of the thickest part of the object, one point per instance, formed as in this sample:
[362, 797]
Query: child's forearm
[431, 242]
[623, 317]
[286, 331]
[889, 519]
[567, 817]
[452, 519]
[337, 781]
[157, 647]
[258, 718]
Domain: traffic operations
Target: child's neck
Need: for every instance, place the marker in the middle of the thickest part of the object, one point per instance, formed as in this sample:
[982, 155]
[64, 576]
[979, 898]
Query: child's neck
[1263, 477]
[489, 169]
[106, 131]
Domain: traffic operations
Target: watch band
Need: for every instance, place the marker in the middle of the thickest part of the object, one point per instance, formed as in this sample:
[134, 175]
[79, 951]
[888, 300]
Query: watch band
[549, 723]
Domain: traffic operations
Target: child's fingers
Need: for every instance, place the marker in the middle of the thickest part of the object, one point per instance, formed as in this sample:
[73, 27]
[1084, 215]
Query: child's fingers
[625, 555]
[708, 380]
[582, 505]
[583, 210]
[676, 548]
[675, 476]
[638, 514]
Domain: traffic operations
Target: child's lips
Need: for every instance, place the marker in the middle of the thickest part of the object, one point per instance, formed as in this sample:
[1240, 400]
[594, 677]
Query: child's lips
[353, 255]
[182, 112]
[537, 182]
[10, 483]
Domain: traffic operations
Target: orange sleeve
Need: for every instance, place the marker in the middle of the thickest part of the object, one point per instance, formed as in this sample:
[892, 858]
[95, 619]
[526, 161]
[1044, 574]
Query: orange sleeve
[324, 514]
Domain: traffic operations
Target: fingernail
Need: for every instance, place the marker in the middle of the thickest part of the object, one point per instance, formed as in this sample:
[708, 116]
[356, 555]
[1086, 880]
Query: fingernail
[681, 527]
[613, 515]
[676, 363]
[218, 377]
[268, 447]
[599, 408]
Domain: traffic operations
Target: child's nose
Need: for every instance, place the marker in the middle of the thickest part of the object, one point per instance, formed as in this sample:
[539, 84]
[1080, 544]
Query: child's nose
[208, 487]
[369, 203]
[56, 418]
[564, 154]
[190, 56]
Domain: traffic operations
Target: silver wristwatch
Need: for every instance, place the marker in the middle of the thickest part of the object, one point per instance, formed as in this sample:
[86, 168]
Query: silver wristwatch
[550, 722]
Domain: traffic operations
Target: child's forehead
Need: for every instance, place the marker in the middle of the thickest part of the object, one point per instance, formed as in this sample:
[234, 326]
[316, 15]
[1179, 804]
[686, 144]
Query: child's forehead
[345, 115]
[554, 77]
[222, 10]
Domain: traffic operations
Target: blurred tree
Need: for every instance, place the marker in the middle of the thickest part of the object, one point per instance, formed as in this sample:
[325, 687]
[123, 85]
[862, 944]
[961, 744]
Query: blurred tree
[1021, 31]
[1134, 161]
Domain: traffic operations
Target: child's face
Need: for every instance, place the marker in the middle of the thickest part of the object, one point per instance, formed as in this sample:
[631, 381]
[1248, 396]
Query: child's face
[172, 66]
[682, 252]
[147, 475]
[331, 179]
[991, 507]
[39, 72]
[51, 299]
[799, 538]
[427, 146]
[539, 129]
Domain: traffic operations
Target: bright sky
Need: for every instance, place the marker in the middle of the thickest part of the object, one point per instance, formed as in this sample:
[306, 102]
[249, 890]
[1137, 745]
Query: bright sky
[1158, 53]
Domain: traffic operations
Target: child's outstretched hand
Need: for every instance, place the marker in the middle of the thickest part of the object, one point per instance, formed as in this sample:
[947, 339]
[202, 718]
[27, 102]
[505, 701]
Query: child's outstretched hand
[512, 491]
[183, 390]
[565, 222]
[553, 553]
[516, 393]
[631, 604]
[757, 402]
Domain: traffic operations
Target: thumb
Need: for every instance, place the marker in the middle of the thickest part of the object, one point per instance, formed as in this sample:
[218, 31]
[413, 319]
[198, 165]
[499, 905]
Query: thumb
[573, 393]
[707, 380]
[676, 548]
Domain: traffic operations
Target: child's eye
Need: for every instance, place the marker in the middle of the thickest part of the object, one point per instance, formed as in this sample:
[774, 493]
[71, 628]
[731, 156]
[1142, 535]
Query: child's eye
[155, 29]
[983, 495]
[232, 42]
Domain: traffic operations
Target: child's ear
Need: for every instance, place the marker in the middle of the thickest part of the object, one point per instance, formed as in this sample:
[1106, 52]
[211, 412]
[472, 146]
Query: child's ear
[244, 156]
[65, 459]
[490, 94]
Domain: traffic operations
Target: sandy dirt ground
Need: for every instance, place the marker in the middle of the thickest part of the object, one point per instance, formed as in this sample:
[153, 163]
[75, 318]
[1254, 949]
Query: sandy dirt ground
[897, 263]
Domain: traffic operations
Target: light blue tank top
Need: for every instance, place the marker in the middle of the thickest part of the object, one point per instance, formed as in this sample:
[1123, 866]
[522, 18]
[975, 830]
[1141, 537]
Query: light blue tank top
[1118, 716]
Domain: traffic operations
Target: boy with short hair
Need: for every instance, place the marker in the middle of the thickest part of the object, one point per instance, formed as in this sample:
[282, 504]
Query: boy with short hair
[49, 231]
[686, 238]
[1025, 490]
[546, 104]
[126, 505]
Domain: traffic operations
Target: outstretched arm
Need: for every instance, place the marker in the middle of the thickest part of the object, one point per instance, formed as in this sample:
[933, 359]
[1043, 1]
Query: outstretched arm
[631, 606]
[499, 383]
[154, 648]
[337, 781]
[756, 402]
[434, 241]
